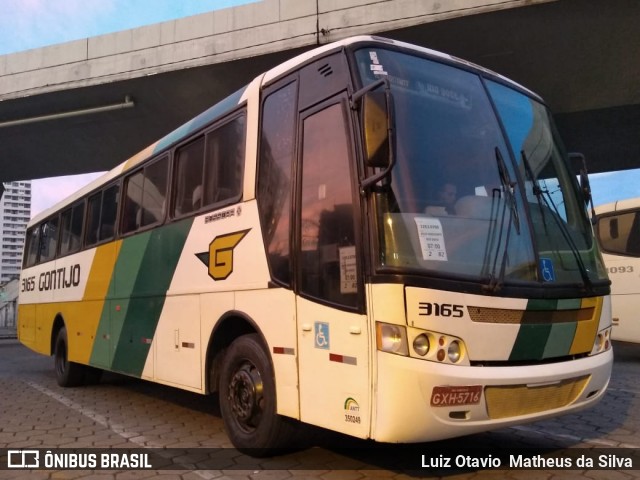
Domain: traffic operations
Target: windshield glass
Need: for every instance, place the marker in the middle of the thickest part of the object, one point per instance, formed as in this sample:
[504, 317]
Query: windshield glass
[455, 204]
[563, 234]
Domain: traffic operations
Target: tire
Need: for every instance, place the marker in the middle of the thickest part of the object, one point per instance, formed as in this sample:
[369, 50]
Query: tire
[248, 400]
[68, 374]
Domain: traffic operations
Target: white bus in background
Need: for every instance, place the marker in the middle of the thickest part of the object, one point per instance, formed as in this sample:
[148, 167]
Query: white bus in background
[618, 231]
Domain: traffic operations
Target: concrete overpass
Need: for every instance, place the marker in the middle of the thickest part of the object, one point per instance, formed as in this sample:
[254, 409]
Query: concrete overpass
[89, 104]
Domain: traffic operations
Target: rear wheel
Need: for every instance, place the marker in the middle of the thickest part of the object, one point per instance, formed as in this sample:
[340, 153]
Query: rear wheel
[68, 374]
[248, 400]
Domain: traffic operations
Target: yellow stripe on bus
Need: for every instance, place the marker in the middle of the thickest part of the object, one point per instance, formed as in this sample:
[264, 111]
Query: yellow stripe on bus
[84, 317]
[139, 157]
[586, 331]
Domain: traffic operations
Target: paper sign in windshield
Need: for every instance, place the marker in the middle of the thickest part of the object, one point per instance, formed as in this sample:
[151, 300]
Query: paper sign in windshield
[348, 270]
[431, 239]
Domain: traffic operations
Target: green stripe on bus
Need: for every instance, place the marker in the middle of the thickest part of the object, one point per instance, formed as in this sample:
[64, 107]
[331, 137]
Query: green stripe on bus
[159, 259]
[570, 304]
[530, 342]
[560, 339]
[124, 275]
[542, 304]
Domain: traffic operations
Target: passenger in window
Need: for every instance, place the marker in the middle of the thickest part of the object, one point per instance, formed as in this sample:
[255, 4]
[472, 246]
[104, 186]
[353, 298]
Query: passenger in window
[196, 198]
[445, 201]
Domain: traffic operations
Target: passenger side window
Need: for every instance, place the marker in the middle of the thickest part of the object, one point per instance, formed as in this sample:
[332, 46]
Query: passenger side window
[49, 239]
[189, 168]
[71, 229]
[33, 246]
[328, 259]
[224, 162]
[145, 196]
[101, 217]
[209, 169]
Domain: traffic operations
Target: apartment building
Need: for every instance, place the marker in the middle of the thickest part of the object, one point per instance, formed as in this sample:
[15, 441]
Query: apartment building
[15, 212]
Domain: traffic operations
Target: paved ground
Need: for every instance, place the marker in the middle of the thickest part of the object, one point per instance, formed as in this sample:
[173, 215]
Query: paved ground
[126, 413]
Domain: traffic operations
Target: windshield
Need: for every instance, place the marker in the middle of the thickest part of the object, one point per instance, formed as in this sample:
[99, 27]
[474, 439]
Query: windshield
[463, 201]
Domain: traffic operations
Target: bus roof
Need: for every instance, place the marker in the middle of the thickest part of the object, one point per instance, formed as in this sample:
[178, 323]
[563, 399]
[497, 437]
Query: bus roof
[618, 206]
[233, 100]
[294, 62]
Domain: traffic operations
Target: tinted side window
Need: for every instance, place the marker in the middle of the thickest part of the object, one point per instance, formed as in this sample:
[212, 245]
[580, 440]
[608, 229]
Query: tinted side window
[32, 246]
[109, 213]
[49, 240]
[274, 178]
[224, 162]
[93, 219]
[132, 210]
[328, 258]
[101, 216]
[188, 183]
[145, 196]
[620, 233]
[155, 191]
[75, 232]
[71, 229]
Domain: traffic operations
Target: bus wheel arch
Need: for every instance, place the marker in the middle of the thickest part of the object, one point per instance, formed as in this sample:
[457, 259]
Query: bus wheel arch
[240, 368]
[230, 326]
[248, 399]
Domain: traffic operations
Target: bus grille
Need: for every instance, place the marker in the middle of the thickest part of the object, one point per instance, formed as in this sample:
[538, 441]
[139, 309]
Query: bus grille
[498, 315]
[514, 400]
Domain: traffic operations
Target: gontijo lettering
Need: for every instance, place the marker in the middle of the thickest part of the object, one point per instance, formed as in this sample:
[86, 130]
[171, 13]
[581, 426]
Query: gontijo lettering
[64, 277]
[60, 278]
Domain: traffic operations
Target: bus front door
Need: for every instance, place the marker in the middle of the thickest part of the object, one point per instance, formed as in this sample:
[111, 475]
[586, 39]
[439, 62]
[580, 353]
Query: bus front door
[333, 339]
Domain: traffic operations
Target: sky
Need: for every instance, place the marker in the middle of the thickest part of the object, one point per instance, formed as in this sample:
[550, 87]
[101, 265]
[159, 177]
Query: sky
[27, 24]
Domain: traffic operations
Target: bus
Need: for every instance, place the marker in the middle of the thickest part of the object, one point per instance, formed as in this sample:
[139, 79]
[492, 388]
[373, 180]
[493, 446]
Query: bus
[287, 249]
[618, 233]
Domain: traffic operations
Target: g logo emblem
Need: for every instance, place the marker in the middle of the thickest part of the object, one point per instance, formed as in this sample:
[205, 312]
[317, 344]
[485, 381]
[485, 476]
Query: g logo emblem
[221, 254]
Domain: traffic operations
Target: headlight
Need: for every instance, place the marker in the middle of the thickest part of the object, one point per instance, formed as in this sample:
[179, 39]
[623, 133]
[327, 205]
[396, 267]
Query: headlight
[454, 351]
[421, 344]
[392, 338]
[602, 342]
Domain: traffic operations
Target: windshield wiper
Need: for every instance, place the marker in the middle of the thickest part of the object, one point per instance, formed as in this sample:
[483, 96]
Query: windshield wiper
[566, 234]
[508, 188]
[537, 191]
[540, 196]
[495, 283]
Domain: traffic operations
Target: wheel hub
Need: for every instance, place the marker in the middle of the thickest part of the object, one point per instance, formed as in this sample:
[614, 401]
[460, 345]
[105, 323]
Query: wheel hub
[245, 393]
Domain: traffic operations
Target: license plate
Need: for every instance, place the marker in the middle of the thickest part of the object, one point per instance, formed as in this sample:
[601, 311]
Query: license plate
[447, 396]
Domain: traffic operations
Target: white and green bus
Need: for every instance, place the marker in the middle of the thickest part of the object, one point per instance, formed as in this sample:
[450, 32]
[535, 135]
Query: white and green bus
[618, 232]
[289, 249]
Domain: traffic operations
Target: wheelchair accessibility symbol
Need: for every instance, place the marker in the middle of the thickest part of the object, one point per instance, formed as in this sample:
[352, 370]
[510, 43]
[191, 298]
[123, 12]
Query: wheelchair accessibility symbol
[321, 334]
[546, 267]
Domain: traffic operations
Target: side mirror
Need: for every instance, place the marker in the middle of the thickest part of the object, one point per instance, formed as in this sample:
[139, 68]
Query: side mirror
[375, 116]
[579, 164]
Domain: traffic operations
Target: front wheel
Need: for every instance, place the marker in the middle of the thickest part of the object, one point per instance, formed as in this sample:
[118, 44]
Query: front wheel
[248, 400]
